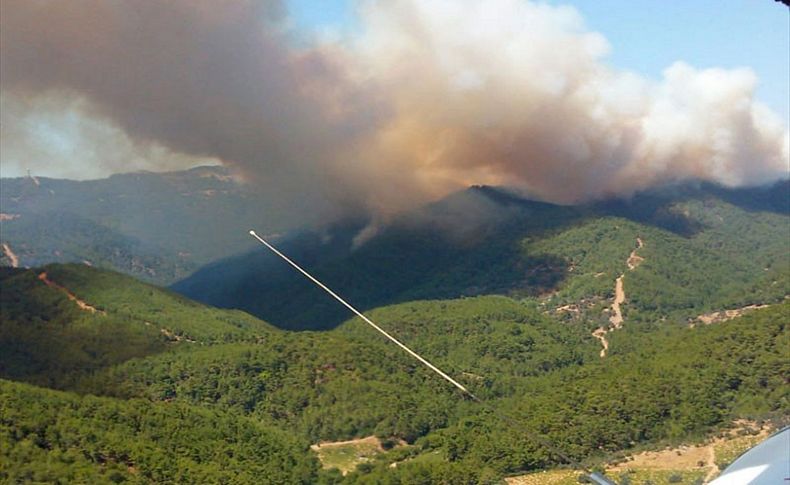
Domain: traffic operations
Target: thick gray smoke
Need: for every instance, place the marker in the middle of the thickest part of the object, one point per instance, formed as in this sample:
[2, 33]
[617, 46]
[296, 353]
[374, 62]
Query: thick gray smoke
[431, 96]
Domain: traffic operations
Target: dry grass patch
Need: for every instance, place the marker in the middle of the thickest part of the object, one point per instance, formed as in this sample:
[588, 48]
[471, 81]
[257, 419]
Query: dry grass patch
[346, 455]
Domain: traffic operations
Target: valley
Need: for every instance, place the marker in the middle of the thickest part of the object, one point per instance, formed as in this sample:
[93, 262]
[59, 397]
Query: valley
[520, 309]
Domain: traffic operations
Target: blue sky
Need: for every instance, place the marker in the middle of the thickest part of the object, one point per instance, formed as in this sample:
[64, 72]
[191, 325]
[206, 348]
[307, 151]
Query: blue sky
[648, 36]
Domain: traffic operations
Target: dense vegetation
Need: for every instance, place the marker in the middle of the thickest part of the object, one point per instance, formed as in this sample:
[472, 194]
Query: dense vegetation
[47, 339]
[333, 385]
[108, 379]
[54, 437]
[215, 407]
[705, 249]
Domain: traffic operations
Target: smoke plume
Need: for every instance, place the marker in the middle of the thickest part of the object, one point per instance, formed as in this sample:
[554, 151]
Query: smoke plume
[430, 96]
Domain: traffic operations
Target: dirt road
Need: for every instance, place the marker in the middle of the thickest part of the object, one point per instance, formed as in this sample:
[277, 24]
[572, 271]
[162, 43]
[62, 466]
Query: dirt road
[616, 317]
[616, 320]
[80, 303]
[600, 334]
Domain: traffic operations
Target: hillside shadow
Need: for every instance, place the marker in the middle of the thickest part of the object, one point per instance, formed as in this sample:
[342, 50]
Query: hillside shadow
[47, 340]
[652, 210]
[654, 207]
[451, 249]
[773, 198]
[464, 245]
[290, 302]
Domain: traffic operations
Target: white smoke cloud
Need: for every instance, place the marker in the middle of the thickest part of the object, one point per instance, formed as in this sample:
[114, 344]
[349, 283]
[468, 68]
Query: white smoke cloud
[430, 96]
[515, 93]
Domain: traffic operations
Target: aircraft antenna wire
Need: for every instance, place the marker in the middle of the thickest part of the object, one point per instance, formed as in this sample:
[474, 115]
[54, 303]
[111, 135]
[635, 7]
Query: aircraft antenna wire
[595, 477]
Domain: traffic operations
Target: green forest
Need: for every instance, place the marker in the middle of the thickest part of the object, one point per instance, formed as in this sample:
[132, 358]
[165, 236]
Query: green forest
[704, 251]
[108, 379]
[236, 399]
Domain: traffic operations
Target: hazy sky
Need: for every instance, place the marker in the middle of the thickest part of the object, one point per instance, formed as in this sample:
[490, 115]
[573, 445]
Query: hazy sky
[385, 104]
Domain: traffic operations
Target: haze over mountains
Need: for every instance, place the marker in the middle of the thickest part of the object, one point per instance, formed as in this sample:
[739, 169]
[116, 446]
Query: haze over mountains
[159, 227]
[485, 241]
[156, 227]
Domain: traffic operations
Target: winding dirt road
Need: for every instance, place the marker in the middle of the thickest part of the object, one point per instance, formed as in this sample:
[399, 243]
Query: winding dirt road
[634, 259]
[616, 318]
[600, 334]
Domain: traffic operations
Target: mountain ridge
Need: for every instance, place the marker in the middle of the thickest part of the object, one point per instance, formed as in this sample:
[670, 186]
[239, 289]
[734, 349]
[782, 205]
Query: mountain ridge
[484, 240]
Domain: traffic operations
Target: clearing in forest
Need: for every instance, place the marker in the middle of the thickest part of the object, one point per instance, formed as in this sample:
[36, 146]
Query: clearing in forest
[683, 464]
[346, 455]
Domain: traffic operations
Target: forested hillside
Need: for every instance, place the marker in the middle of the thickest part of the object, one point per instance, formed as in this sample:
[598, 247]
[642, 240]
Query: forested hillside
[159, 227]
[56, 437]
[706, 248]
[59, 321]
[191, 393]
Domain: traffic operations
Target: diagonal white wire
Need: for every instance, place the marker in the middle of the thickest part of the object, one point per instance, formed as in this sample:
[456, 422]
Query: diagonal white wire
[366, 319]
[594, 476]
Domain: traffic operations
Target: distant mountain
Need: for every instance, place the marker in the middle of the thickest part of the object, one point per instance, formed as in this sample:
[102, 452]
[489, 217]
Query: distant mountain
[156, 226]
[706, 248]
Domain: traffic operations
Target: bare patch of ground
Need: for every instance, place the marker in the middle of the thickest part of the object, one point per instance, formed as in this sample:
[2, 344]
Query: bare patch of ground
[600, 334]
[8, 217]
[741, 437]
[683, 457]
[346, 455]
[11, 256]
[568, 308]
[724, 315]
[547, 477]
[710, 462]
[683, 464]
[174, 337]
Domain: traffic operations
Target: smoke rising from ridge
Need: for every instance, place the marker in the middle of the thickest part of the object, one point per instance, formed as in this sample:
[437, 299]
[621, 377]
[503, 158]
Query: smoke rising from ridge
[430, 97]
